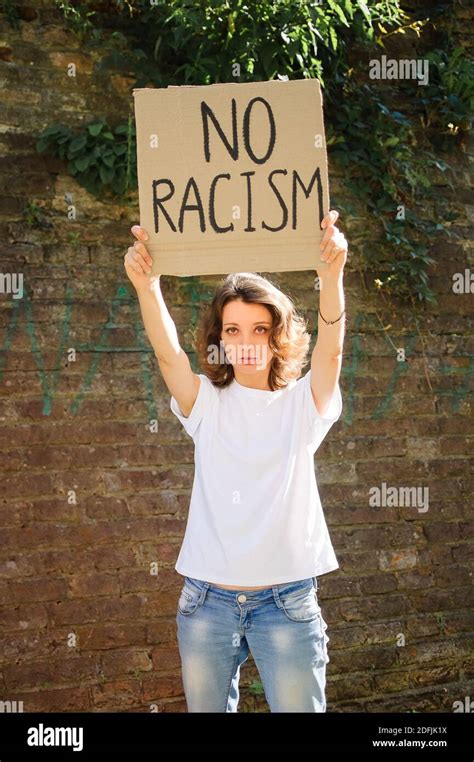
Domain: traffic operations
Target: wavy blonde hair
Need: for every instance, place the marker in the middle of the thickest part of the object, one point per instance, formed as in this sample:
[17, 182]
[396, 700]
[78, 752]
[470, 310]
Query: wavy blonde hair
[288, 340]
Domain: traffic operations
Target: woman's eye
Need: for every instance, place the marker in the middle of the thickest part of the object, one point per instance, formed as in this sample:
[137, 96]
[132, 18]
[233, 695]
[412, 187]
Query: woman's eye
[263, 327]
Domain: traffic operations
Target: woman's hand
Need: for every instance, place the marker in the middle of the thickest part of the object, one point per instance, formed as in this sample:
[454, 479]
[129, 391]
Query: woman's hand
[137, 260]
[333, 247]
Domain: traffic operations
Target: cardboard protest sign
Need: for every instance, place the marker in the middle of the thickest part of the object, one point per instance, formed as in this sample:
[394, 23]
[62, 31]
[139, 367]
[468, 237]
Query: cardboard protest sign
[232, 177]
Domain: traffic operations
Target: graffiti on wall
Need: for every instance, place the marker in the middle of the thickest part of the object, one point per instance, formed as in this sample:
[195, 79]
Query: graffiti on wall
[354, 356]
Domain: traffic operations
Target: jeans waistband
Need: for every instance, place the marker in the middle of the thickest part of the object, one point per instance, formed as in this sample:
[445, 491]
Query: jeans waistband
[285, 587]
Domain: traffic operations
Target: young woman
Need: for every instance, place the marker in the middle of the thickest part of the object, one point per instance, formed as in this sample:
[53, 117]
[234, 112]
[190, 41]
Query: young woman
[256, 537]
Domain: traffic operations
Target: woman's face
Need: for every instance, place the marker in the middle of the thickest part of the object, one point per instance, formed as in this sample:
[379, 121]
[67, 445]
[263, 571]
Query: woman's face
[245, 332]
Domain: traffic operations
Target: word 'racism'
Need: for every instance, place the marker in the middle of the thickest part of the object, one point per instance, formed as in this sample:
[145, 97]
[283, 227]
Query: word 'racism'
[191, 199]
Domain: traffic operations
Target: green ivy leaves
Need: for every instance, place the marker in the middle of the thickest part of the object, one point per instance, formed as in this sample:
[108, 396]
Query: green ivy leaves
[103, 159]
[388, 158]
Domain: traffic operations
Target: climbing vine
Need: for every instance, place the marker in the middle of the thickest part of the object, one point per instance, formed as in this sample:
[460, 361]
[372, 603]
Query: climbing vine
[391, 157]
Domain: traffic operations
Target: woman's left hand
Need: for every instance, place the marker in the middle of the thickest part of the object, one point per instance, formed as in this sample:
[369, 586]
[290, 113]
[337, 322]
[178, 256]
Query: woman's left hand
[333, 246]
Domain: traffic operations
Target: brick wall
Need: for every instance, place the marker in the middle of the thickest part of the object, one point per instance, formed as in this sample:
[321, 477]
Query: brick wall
[94, 499]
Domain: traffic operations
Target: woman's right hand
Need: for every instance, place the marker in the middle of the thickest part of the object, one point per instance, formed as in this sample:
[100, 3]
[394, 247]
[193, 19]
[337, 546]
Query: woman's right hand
[137, 260]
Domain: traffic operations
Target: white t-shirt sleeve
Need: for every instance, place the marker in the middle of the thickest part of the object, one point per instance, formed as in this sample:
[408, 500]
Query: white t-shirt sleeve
[202, 404]
[318, 424]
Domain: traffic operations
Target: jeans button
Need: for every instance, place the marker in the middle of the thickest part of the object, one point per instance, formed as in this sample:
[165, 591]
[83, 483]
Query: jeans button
[241, 598]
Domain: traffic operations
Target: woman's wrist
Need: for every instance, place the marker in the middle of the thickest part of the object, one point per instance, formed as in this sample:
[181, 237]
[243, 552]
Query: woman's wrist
[149, 285]
[332, 277]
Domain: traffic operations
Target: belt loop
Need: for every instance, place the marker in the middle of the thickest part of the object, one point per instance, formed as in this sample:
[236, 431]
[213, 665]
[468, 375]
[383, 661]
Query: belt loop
[315, 583]
[276, 596]
[205, 588]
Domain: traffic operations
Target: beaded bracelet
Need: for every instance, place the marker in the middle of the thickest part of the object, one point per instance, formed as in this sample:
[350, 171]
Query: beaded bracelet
[330, 322]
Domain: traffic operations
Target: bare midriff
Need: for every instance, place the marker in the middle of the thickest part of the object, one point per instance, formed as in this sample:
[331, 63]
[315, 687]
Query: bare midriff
[232, 587]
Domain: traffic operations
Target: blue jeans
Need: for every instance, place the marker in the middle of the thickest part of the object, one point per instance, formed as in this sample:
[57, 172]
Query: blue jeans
[281, 626]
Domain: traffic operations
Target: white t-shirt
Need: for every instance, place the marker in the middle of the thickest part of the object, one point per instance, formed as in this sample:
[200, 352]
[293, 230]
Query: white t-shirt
[255, 516]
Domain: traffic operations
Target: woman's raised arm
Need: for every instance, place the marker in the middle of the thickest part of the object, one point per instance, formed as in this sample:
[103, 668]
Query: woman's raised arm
[183, 384]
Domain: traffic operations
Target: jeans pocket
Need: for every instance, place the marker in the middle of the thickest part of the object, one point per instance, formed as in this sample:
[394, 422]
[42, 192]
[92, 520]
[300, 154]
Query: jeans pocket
[188, 600]
[300, 605]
